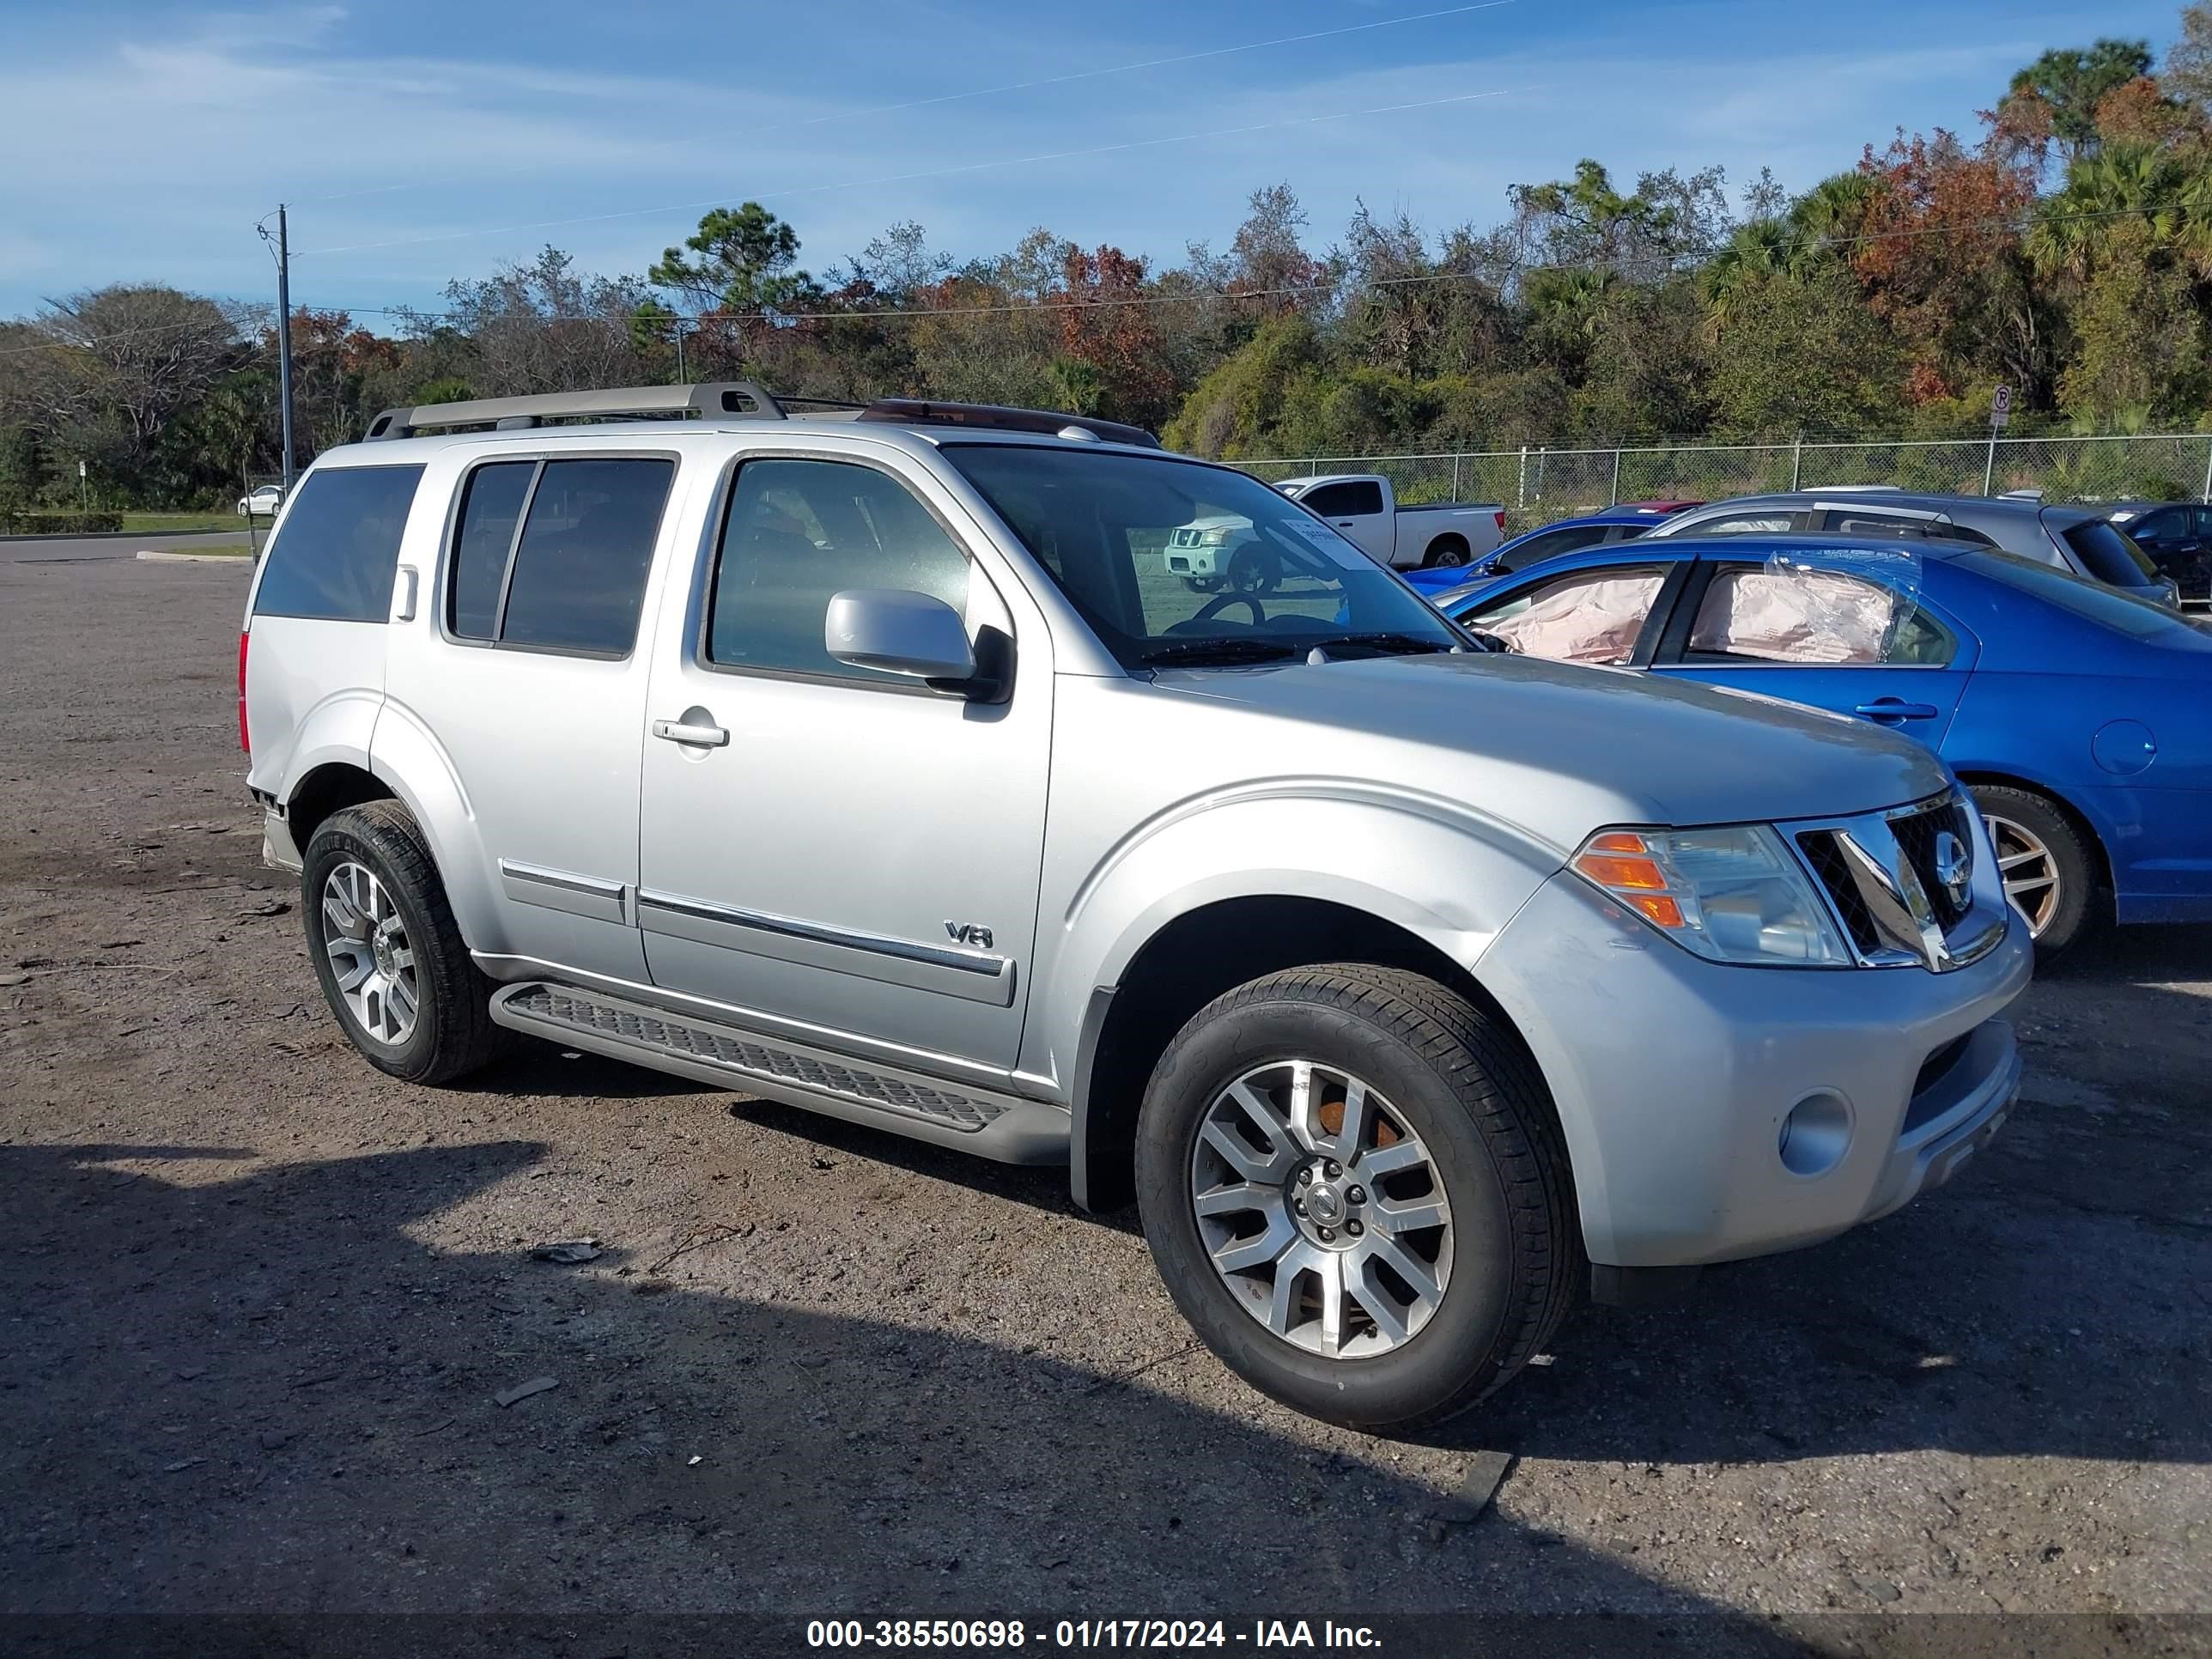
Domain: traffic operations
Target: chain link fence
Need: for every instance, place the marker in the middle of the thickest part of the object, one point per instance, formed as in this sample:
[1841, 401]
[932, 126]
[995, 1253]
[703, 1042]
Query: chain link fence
[1536, 485]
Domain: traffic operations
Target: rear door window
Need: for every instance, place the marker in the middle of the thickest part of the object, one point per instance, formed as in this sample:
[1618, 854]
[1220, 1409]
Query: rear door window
[333, 559]
[1354, 499]
[573, 579]
[1550, 543]
[1778, 613]
[1769, 521]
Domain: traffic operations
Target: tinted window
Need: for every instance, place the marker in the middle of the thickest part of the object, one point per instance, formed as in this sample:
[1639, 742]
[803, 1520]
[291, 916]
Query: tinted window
[1102, 525]
[2204, 520]
[339, 545]
[1864, 524]
[586, 550]
[1586, 615]
[2168, 525]
[1346, 501]
[490, 505]
[1788, 613]
[801, 532]
[1549, 542]
[2109, 556]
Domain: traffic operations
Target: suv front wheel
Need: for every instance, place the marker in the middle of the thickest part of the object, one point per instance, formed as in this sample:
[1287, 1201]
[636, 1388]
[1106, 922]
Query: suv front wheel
[1351, 1182]
[385, 946]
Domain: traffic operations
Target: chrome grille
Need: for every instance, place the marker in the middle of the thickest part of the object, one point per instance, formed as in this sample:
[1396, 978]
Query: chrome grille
[1884, 875]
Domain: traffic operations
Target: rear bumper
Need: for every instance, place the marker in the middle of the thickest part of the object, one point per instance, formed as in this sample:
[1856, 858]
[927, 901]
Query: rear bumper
[1680, 1083]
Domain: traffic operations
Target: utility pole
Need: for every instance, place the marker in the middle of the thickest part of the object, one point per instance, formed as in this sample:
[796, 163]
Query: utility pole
[284, 339]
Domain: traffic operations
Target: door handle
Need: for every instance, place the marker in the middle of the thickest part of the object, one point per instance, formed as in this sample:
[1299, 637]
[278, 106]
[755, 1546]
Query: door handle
[1344, 524]
[408, 581]
[1894, 708]
[698, 735]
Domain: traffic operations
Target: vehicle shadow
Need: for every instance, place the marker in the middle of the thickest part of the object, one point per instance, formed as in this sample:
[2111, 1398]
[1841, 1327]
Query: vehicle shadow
[2137, 955]
[262, 1393]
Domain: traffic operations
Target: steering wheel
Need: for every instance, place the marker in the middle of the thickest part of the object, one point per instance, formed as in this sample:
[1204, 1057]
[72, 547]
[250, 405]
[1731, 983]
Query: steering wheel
[1213, 607]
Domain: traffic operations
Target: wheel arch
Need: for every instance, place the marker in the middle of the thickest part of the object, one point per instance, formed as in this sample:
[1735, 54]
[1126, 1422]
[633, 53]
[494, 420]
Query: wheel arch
[2092, 836]
[1184, 965]
[1447, 540]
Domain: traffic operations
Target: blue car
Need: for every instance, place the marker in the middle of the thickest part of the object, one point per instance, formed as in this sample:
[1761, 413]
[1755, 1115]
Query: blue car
[1615, 524]
[2079, 718]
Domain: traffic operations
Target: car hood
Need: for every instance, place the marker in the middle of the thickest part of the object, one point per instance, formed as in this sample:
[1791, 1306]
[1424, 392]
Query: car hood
[1565, 750]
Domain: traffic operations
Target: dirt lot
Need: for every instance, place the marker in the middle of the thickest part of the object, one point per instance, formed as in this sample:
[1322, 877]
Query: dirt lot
[258, 1299]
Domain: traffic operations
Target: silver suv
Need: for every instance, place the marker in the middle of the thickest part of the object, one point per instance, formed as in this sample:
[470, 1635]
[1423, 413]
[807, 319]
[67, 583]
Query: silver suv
[2078, 539]
[878, 762]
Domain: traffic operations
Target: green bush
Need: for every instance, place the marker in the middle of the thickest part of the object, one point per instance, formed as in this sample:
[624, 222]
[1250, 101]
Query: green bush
[30, 521]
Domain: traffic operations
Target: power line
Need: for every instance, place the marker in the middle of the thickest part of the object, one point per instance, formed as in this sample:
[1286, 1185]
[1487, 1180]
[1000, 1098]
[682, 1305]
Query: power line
[985, 92]
[929, 172]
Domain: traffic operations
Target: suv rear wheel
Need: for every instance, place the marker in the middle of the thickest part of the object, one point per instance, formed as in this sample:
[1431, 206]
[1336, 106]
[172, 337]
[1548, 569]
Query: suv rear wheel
[387, 950]
[1351, 1183]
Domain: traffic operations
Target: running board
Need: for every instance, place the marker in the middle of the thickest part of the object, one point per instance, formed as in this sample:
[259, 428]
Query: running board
[983, 1122]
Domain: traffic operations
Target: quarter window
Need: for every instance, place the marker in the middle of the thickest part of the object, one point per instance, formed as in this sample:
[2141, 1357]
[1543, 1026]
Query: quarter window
[333, 559]
[801, 532]
[1770, 523]
[1794, 614]
[1589, 616]
[573, 579]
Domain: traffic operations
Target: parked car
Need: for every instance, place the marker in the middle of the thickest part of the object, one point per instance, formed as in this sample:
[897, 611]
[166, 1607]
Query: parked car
[2079, 718]
[2175, 537]
[874, 765]
[1614, 523]
[1363, 505]
[2074, 539]
[263, 503]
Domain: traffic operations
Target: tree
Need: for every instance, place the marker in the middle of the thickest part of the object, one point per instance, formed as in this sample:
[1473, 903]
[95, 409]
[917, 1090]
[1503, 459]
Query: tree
[2188, 72]
[1806, 353]
[746, 263]
[542, 327]
[2061, 89]
[112, 368]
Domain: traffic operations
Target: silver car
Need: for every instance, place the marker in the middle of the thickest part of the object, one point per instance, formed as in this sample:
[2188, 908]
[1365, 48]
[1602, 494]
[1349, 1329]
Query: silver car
[2074, 539]
[880, 763]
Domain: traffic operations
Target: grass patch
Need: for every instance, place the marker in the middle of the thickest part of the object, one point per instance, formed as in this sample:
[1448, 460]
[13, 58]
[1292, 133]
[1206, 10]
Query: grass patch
[144, 522]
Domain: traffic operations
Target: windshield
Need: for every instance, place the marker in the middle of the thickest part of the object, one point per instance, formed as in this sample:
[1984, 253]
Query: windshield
[2111, 555]
[1176, 561]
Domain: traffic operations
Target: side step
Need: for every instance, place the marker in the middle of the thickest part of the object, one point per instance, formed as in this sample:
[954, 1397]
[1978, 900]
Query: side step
[992, 1124]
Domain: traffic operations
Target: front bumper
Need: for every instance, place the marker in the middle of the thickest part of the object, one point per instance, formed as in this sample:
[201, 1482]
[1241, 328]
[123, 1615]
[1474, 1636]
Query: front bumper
[1674, 1078]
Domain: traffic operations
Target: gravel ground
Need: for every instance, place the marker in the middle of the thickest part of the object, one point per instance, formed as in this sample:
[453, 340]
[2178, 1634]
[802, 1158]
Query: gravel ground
[258, 1299]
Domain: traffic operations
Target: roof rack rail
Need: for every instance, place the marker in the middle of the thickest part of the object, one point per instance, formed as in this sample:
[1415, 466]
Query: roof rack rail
[926, 412]
[710, 399]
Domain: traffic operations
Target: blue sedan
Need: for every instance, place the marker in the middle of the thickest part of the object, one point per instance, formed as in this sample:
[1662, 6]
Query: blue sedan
[2079, 718]
[1603, 528]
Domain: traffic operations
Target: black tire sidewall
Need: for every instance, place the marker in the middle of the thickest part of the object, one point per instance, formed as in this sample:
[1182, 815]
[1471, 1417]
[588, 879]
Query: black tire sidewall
[345, 838]
[1455, 1355]
[2077, 873]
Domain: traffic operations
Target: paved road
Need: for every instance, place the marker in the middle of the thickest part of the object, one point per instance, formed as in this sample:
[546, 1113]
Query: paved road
[258, 1299]
[87, 549]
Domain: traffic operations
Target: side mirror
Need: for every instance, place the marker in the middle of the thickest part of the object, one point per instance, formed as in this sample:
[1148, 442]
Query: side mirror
[899, 632]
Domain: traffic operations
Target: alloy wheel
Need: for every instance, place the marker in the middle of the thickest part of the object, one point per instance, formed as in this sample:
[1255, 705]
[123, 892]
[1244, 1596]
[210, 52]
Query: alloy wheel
[366, 942]
[1322, 1210]
[2029, 870]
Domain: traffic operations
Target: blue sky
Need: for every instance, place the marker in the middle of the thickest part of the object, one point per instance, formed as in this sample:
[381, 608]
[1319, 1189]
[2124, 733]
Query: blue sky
[419, 142]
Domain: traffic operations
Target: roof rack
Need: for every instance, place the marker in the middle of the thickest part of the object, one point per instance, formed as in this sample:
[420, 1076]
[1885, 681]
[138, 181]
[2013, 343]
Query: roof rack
[923, 412]
[720, 399]
[710, 399]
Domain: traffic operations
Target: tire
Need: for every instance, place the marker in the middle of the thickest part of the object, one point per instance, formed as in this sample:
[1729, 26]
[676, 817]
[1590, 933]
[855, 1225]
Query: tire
[2022, 824]
[1467, 1097]
[1255, 570]
[1445, 550]
[436, 1024]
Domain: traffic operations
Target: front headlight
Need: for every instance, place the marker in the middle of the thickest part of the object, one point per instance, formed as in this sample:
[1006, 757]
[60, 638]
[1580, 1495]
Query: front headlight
[1732, 895]
[1214, 537]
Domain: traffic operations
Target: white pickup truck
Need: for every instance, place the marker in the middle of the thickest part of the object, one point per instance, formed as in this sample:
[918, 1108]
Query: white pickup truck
[1365, 508]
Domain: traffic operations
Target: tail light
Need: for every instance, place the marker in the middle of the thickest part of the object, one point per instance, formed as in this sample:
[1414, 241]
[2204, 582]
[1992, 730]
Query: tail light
[1500, 516]
[244, 741]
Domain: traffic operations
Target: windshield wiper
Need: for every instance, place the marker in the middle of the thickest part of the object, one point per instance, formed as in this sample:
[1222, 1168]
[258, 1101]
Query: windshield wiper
[1200, 652]
[1388, 645]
